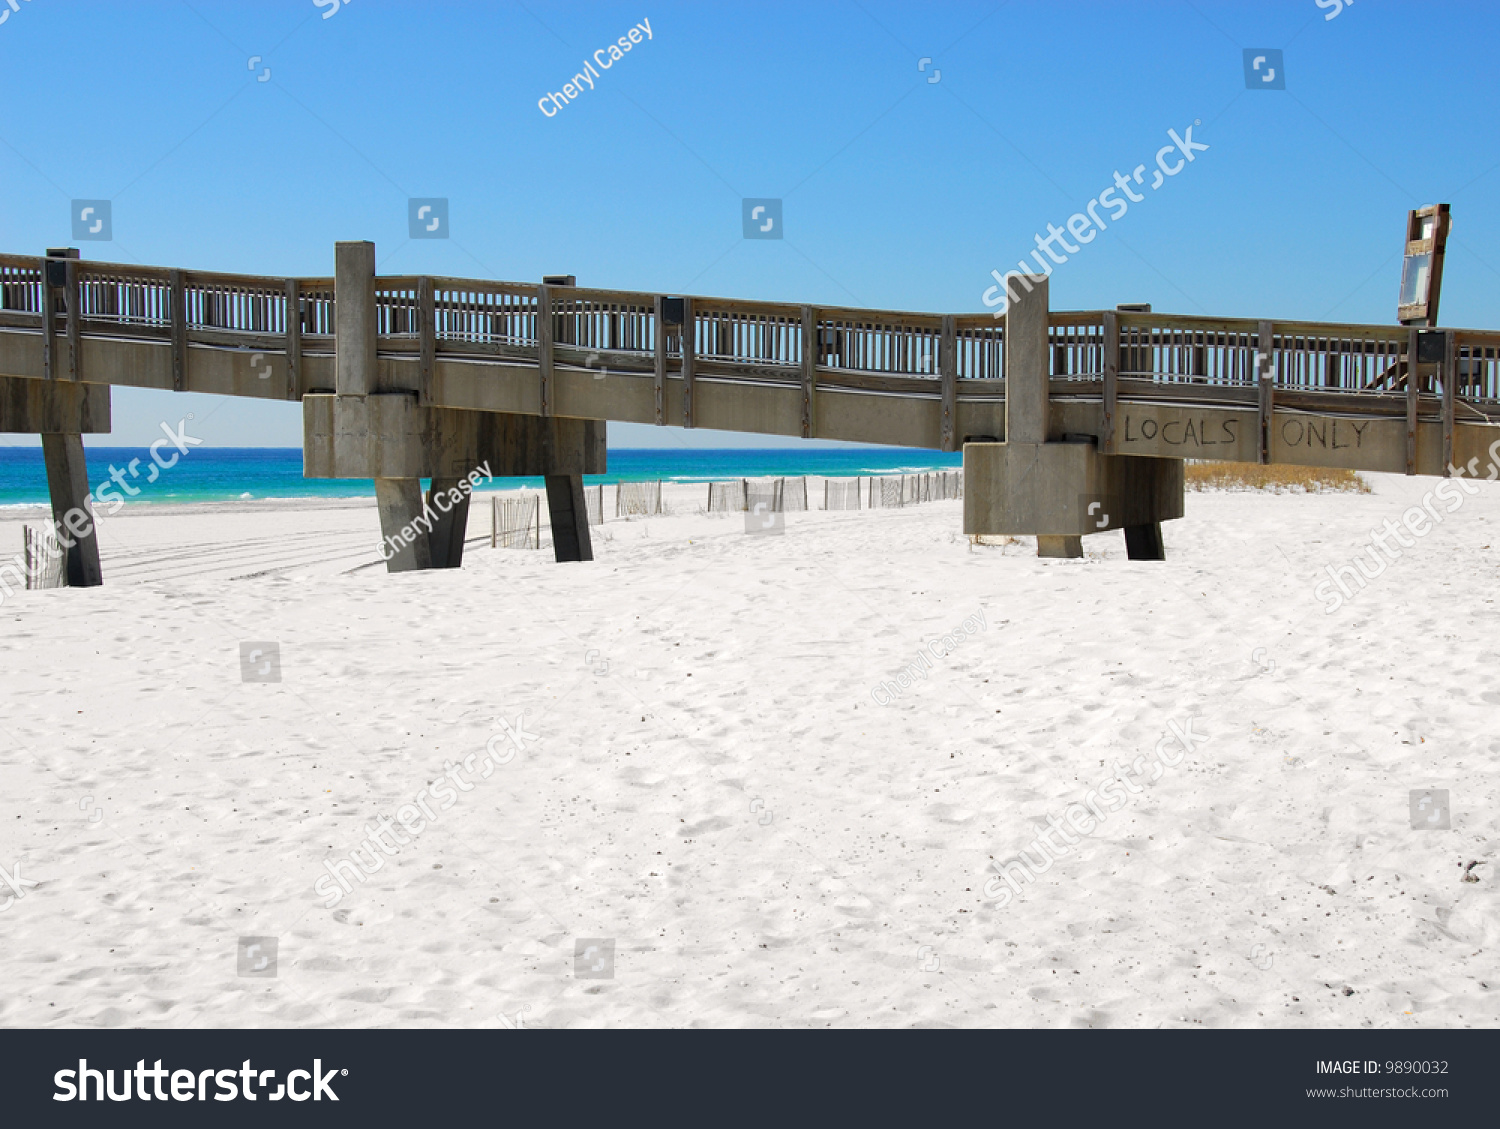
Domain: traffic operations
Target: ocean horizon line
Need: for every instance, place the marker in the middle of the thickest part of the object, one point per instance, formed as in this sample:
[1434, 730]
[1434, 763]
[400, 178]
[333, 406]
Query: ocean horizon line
[243, 474]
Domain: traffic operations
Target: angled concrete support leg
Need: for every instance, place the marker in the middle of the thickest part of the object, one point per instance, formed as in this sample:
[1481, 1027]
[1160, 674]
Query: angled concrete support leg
[446, 541]
[400, 503]
[570, 518]
[1143, 542]
[68, 484]
[1050, 546]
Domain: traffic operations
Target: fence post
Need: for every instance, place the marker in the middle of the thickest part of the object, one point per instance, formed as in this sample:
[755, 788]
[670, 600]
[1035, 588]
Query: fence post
[75, 320]
[809, 368]
[293, 339]
[1111, 380]
[1412, 390]
[659, 366]
[545, 335]
[49, 321]
[426, 338]
[948, 368]
[1265, 376]
[689, 361]
[1450, 377]
[178, 298]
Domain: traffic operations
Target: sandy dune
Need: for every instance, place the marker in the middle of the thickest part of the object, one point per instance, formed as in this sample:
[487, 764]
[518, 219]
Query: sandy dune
[715, 790]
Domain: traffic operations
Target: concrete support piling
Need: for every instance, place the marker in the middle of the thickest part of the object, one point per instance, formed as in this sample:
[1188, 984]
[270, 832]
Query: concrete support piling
[570, 518]
[1027, 403]
[402, 524]
[1054, 546]
[378, 424]
[446, 541]
[68, 485]
[356, 370]
[1143, 542]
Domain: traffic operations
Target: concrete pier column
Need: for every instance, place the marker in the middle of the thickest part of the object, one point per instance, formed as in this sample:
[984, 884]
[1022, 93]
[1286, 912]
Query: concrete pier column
[570, 518]
[1143, 542]
[446, 541]
[1058, 488]
[380, 423]
[68, 485]
[406, 538]
[1027, 393]
[1026, 390]
[354, 318]
[1055, 546]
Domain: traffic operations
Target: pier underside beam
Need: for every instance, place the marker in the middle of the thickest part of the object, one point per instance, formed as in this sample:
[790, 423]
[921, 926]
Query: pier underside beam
[388, 437]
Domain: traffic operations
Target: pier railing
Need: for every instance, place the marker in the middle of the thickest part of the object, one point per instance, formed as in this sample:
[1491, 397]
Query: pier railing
[1092, 352]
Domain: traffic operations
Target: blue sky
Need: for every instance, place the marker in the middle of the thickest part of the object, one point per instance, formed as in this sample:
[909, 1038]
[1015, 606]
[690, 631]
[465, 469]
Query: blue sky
[899, 192]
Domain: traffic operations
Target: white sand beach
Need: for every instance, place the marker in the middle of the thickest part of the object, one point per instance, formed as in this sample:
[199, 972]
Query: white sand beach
[714, 789]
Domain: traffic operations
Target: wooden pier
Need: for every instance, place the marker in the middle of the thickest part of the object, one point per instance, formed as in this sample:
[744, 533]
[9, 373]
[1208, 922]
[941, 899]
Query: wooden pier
[406, 377]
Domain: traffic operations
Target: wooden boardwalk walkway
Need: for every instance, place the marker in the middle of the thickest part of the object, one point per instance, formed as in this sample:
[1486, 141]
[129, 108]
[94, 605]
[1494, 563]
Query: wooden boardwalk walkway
[411, 378]
[1142, 383]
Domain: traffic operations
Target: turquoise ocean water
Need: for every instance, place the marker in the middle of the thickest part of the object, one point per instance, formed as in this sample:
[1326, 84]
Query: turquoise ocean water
[225, 474]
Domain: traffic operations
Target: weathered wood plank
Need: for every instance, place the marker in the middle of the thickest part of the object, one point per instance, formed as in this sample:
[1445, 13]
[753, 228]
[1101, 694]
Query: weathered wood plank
[49, 323]
[178, 301]
[1111, 381]
[293, 339]
[1265, 358]
[426, 339]
[659, 363]
[948, 368]
[1413, 390]
[546, 331]
[1450, 378]
[75, 333]
[689, 359]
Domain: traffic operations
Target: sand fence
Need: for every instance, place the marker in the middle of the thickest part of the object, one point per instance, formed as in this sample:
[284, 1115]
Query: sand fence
[783, 495]
[45, 562]
[516, 522]
[515, 519]
[632, 498]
